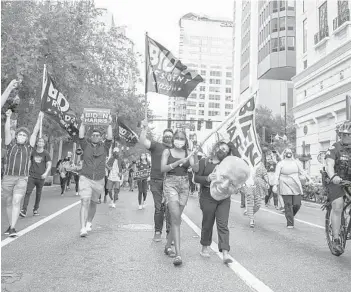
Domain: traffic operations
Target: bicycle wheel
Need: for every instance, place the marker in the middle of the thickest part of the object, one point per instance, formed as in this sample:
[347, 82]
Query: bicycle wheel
[329, 232]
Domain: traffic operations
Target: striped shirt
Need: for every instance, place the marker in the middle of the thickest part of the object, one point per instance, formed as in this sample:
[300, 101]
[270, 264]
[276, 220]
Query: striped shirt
[17, 159]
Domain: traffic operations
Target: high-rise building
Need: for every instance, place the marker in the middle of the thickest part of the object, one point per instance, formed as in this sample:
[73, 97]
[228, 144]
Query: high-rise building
[205, 47]
[323, 79]
[264, 57]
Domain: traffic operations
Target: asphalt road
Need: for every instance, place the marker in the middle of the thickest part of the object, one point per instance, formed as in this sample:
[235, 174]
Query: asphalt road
[119, 254]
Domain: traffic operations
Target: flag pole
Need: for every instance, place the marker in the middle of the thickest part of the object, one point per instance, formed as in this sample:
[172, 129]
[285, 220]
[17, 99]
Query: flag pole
[42, 94]
[146, 70]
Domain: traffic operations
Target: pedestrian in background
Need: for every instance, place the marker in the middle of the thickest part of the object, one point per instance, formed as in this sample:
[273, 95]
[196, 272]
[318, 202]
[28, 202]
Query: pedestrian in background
[289, 184]
[143, 164]
[271, 164]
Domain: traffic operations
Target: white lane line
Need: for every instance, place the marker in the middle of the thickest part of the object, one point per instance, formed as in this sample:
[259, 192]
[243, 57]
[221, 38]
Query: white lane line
[37, 224]
[249, 279]
[275, 213]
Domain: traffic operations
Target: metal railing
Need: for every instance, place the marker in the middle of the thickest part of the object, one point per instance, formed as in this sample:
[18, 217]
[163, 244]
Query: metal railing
[322, 34]
[341, 19]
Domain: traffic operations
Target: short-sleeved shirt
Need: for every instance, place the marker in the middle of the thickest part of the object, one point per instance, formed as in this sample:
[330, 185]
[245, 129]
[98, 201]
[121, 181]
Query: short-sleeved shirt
[94, 158]
[38, 163]
[342, 157]
[17, 159]
[156, 150]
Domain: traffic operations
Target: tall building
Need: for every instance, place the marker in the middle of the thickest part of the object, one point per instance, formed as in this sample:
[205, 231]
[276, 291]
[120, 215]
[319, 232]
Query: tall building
[264, 56]
[206, 48]
[323, 79]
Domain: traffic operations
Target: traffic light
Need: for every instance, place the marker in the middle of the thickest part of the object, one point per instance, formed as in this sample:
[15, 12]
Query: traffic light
[209, 125]
[199, 125]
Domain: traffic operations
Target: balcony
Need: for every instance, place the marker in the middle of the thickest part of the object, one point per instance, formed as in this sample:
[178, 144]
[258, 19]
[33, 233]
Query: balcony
[321, 37]
[342, 21]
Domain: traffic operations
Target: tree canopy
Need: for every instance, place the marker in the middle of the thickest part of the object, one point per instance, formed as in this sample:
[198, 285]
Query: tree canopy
[89, 62]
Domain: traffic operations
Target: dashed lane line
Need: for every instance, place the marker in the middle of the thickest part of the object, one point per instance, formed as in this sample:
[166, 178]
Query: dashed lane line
[37, 224]
[250, 280]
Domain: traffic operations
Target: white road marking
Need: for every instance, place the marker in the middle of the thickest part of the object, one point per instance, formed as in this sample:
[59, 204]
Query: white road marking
[250, 280]
[275, 213]
[37, 224]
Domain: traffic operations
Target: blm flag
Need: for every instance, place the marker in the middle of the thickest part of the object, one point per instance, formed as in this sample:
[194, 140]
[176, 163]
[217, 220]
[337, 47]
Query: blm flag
[241, 131]
[56, 106]
[165, 74]
[126, 134]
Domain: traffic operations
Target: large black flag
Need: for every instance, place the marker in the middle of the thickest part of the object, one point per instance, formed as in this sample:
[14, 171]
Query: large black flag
[126, 134]
[56, 106]
[165, 74]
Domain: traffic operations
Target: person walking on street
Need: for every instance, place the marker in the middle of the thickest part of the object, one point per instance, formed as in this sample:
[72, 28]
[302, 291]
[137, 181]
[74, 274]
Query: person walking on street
[14, 183]
[62, 167]
[175, 163]
[288, 180]
[156, 176]
[271, 165]
[91, 181]
[69, 170]
[40, 167]
[115, 165]
[142, 183]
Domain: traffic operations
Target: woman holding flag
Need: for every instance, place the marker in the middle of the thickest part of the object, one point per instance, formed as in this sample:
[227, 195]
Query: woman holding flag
[174, 164]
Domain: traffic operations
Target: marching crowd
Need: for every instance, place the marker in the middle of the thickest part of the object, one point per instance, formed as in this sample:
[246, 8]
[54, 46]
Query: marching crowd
[97, 173]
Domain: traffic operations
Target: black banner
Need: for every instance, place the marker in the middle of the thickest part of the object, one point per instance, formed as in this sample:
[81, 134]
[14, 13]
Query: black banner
[126, 134]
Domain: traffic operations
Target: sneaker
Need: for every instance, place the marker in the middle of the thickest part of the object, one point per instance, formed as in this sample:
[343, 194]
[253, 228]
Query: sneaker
[88, 226]
[35, 213]
[140, 207]
[7, 232]
[83, 232]
[68, 188]
[99, 202]
[113, 205]
[12, 232]
[290, 227]
[157, 237]
[337, 245]
[252, 223]
[77, 194]
[144, 205]
[23, 213]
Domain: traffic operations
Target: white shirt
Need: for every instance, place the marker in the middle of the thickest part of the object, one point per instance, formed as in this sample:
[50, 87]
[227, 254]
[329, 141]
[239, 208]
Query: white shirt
[114, 173]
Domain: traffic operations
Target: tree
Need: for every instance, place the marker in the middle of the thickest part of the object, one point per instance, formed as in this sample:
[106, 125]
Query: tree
[89, 62]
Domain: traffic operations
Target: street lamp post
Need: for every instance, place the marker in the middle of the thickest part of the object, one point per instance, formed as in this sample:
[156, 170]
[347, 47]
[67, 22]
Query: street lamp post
[284, 105]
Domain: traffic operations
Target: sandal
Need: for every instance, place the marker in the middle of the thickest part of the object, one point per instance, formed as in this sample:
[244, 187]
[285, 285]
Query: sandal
[170, 252]
[177, 261]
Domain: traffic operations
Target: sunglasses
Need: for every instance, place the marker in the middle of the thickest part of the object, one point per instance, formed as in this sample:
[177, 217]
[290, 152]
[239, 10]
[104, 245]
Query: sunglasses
[96, 135]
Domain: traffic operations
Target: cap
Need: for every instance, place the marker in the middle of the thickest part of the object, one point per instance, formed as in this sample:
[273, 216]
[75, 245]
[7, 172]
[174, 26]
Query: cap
[22, 129]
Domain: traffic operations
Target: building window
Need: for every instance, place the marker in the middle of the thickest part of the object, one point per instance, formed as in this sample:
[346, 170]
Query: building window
[228, 98]
[215, 73]
[282, 23]
[228, 106]
[203, 72]
[305, 64]
[201, 112]
[274, 24]
[201, 104]
[191, 103]
[282, 44]
[228, 82]
[227, 114]
[214, 97]
[305, 93]
[213, 105]
[213, 113]
[202, 88]
[275, 6]
[215, 89]
[291, 5]
[291, 23]
[228, 90]
[215, 81]
[282, 5]
[228, 74]
[343, 14]
[291, 43]
[274, 42]
[202, 96]
[193, 95]
[305, 35]
[323, 20]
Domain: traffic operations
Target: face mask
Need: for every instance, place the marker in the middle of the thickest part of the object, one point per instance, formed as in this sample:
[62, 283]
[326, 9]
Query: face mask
[288, 155]
[179, 143]
[167, 140]
[221, 154]
[143, 158]
[21, 139]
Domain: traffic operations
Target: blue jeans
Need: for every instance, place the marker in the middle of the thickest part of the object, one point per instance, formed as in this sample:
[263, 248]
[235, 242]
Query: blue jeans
[156, 186]
[38, 183]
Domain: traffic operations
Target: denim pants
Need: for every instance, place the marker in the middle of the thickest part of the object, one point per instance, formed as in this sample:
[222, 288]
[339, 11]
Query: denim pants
[156, 186]
[38, 183]
[292, 205]
[142, 190]
[215, 210]
[270, 194]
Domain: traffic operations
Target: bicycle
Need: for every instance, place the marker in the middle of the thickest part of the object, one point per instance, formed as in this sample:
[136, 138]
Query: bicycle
[345, 228]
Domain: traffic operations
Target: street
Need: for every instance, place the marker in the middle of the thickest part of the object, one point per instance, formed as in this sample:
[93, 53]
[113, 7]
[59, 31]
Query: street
[119, 254]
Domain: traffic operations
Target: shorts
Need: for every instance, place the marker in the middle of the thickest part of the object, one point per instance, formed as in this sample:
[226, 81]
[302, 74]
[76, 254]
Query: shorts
[176, 189]
[90, 189]
[335, 191]
[14, 185]
[110, 185]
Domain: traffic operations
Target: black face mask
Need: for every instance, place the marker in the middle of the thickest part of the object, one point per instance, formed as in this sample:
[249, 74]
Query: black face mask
[167, 140]
[221, 154]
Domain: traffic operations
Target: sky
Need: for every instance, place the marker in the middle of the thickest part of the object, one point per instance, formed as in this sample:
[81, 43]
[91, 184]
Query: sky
[160, 19]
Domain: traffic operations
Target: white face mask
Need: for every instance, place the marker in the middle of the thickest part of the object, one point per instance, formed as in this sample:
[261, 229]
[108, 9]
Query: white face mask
[21, 139]
[179, 143]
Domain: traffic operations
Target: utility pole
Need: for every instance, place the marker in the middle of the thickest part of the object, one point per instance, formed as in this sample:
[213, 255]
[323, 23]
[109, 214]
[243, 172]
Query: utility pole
[348, 107]
[284, 105]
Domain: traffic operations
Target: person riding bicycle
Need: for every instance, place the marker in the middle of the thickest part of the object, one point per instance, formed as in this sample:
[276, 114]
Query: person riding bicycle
[338, 168]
